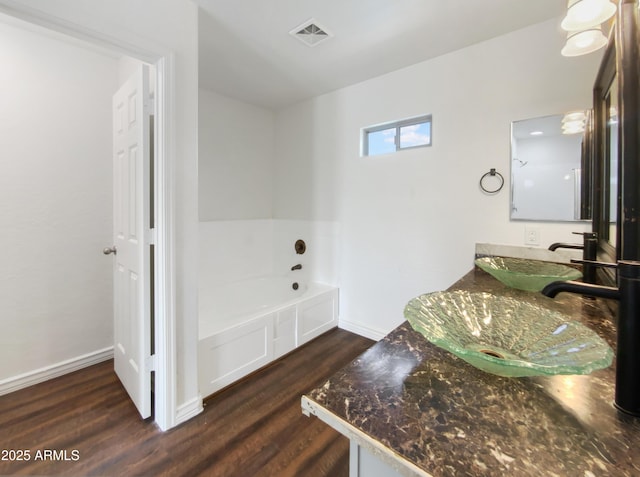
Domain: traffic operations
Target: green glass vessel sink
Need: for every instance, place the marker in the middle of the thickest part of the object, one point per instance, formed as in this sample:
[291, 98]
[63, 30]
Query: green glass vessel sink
[529, 275]
[505, 336]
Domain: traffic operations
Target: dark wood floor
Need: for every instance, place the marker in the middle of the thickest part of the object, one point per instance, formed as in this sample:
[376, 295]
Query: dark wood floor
[254, 428]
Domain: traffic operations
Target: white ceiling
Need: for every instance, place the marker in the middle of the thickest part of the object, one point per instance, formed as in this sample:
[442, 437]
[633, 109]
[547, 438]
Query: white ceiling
[246, 51]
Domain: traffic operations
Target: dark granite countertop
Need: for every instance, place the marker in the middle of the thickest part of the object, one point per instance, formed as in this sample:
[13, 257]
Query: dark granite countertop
[435, 413]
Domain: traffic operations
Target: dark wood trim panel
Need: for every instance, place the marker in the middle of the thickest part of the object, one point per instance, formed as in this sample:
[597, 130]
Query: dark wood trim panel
[621, 62]
[606, 76]
[628, 66]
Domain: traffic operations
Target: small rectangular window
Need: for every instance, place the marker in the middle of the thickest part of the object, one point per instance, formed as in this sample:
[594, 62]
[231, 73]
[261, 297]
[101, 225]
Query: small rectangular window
[396, 136]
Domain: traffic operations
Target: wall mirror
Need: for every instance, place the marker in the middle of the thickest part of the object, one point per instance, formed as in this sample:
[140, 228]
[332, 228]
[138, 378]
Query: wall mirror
[548, 180]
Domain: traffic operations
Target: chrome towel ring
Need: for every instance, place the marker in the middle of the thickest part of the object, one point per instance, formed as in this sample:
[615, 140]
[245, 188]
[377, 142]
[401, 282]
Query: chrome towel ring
[492, 173]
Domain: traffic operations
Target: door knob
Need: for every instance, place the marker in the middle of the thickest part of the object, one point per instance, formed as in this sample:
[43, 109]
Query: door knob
[109, 250]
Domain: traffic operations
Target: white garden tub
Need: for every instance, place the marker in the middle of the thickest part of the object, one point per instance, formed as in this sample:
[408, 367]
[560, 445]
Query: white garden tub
[246, 324]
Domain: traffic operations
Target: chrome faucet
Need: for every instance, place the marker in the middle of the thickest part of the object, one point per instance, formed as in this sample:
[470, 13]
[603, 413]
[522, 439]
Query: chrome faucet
[589, 249]
[296, 267]
[627, 394]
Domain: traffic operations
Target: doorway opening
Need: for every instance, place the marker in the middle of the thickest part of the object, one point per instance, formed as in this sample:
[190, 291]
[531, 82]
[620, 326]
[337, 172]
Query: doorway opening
[160, 361]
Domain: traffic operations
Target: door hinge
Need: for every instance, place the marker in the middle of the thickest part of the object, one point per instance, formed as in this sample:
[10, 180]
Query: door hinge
[151, 105]
[150, 363]
[151, 237]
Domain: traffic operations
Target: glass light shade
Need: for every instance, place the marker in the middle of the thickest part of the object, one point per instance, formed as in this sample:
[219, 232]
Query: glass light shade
[584, 42]
[574, 116]
[584, 14]
[573, 125]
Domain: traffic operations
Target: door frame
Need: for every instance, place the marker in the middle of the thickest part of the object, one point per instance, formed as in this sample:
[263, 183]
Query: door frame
[165, 360]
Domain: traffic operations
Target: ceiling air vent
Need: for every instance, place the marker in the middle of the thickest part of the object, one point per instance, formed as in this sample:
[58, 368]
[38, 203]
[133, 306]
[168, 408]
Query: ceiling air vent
[310, 33]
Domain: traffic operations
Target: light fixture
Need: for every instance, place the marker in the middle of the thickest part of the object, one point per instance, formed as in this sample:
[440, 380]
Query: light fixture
[573, 131]
[574, 116]
[536, 133]
[573, 125]
[583, 22]
[573, 128]
[584, 14]
[574, 122]
[583, 42]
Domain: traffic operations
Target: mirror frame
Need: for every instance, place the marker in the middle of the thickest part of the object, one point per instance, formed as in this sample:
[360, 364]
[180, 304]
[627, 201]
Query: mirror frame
[601, 182]
[620, 61]
[587, 164]
[628, 55]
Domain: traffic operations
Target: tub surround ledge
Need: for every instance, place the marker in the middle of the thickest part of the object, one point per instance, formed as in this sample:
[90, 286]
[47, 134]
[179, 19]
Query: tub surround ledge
[422, 411]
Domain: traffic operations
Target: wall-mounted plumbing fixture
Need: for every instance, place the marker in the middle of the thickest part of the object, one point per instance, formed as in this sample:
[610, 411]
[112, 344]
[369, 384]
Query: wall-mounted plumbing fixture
[297, 267]
[300, 246]
[589, 249]
[627, 394]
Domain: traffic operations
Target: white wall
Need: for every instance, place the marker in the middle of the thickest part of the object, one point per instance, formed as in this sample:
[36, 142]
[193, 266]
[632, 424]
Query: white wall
[409, 221]
[55, 201]
[320, 260]
[232, 250]
[236, 155]
[238, 238]
[171, 29]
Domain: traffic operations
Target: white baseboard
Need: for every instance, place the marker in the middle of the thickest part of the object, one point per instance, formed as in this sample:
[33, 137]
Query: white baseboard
[30, 378]
[362, 330]
[189, 409]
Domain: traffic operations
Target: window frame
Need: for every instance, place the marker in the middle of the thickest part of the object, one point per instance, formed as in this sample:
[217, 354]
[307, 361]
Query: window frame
[397, 125]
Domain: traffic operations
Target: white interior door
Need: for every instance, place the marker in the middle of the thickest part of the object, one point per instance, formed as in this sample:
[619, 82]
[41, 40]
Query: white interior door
[132, 280]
